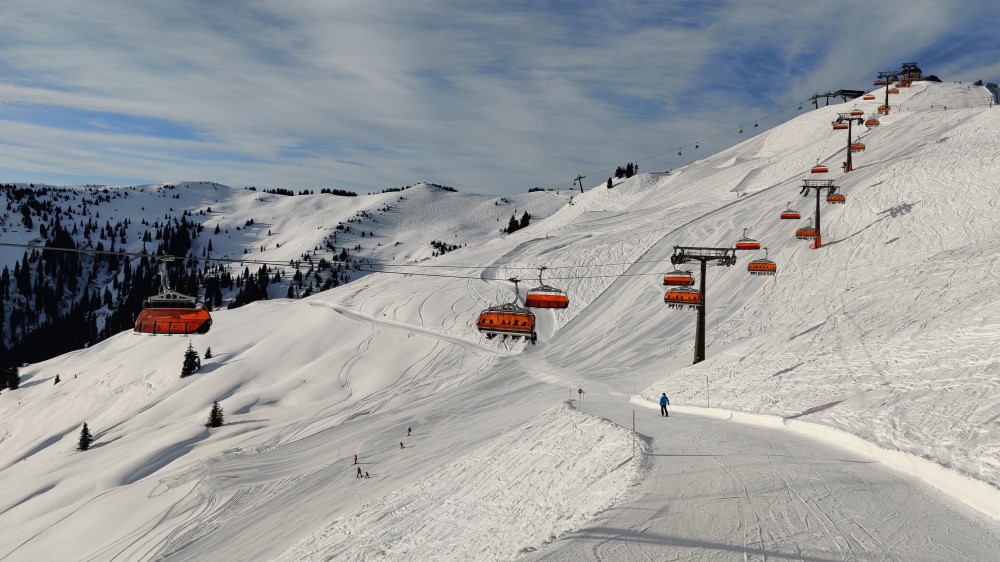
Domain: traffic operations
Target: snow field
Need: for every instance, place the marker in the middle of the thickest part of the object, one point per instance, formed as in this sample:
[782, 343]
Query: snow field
[886, 333]
[533, 484]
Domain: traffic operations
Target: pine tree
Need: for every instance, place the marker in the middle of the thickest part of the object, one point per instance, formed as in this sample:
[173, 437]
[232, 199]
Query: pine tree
[191, 362]
[208, 353]
[215, 415]
[85, 438]
[9, 377]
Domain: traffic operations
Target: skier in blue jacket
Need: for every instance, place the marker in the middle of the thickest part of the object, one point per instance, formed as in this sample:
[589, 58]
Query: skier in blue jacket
[664, 402]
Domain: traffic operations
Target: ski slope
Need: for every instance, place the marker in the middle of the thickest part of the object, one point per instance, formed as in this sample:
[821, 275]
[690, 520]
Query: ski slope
[884, 334]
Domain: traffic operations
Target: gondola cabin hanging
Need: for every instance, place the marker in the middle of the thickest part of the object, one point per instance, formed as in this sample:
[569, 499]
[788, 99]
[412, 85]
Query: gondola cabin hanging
[819, 169]
[857, 112]
[883, 109]
[872, 122]
[544, 296]
[747, 243]
[838, 198]
[840, 126]
[790, 214]
[170, 312]
[678, 278]
[681, 297]
[857, 146]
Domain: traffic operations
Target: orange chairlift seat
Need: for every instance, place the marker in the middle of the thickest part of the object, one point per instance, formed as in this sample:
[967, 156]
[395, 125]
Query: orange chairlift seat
[679, 297]
[873, 122]
[868, 97]
[678, 278]
[883, 109]
[806, 232]
[507, 320]
[839, 198]
[790, 214]
[857, 146]
[819, 169]
[839, 126]
[170, 312]
[747, 243]
[857, 112]
[762, 266]
[893, 90]
[544, 296]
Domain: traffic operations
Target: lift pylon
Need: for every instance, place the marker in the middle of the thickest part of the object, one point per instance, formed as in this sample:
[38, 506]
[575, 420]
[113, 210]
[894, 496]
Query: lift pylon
[850, 118]
[721, 256]
[818, 186]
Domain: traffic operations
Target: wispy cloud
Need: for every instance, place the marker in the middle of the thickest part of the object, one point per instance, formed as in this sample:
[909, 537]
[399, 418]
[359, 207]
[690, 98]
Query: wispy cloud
[487, 97]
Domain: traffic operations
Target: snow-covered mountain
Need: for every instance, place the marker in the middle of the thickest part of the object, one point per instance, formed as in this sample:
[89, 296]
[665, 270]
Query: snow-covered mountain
[885, 333]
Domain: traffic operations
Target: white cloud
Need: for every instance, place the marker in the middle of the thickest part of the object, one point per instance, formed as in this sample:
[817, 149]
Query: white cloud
[489, 98]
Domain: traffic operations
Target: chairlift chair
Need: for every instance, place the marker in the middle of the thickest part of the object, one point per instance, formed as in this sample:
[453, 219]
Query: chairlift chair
[545, 296]
[762, 266]
[680, 297]
[678, 278]
[806, 232]
[790, 214]
[747, 243]
[171, 312]
[507, 319]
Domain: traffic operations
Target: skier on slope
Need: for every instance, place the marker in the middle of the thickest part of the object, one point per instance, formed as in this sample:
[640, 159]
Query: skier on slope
[664, 402]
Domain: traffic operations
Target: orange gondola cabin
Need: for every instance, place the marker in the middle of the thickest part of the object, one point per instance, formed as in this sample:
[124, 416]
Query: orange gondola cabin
[838, 198]
[819, 169]
[857, 146]
[682, 297]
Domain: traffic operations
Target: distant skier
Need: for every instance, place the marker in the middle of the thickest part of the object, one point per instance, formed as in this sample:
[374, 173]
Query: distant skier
[408, 430]
[401, 445]
[359, 473]
[355, 459]
[664, 402]
[366, 474]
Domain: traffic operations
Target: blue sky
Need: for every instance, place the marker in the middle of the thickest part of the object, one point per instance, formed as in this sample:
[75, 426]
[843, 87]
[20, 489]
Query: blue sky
[487, 97]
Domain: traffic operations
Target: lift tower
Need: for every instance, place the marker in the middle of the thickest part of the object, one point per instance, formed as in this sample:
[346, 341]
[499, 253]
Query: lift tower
[887, 76]
[818, 186]
[721, 256]
[849, 118]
